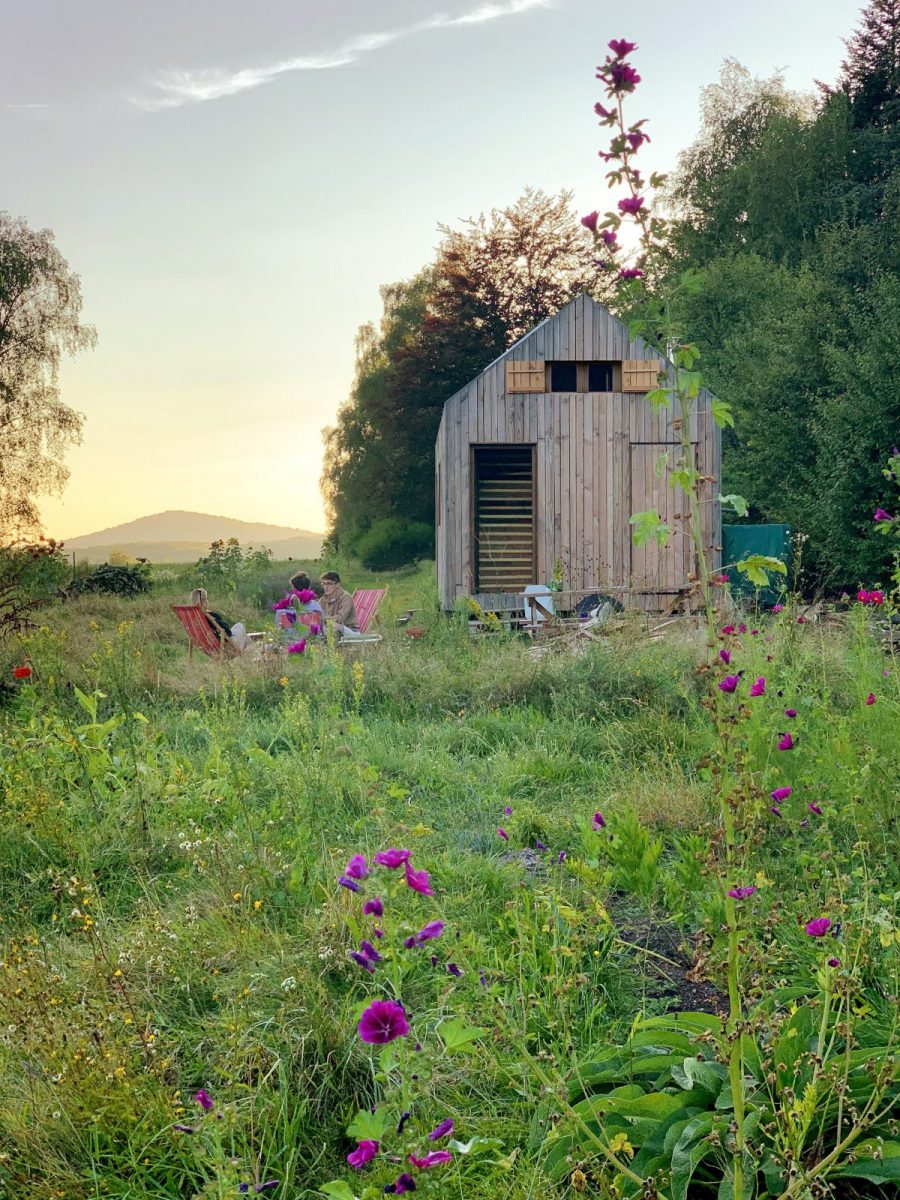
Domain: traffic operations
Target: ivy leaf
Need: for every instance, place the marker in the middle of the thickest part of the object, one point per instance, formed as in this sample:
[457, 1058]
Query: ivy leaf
[721, 413]
[736, 503]
[757, 566]
[649, 525]
[368, 1126]
[456, 1034]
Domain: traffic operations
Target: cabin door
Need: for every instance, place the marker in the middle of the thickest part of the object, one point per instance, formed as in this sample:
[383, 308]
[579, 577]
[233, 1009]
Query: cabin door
[504, 518]
[656, 568]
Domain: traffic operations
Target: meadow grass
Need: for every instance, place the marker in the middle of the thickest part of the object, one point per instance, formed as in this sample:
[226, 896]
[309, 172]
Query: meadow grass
[173, 829]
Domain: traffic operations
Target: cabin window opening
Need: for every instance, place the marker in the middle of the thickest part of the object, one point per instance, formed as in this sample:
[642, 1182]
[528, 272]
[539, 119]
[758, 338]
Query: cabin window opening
[564, 377]
[600, 377]
[583, 376]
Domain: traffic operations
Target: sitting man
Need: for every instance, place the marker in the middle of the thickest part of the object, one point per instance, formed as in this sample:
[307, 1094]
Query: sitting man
[338, 606]
[235, 634]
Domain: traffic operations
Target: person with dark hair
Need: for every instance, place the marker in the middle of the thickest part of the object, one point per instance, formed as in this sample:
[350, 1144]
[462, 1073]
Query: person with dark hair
[302, 589]
[338, 606]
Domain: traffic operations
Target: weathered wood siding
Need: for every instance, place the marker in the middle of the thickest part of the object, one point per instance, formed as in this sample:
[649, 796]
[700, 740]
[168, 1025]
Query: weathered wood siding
[595, 454]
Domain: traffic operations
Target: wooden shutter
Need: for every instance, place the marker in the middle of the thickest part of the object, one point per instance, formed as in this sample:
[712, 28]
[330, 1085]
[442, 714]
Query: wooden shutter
[640, 374]
[525, 375]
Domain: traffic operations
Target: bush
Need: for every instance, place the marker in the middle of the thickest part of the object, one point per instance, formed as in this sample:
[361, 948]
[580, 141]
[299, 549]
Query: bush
[112, 580]
[393, 543]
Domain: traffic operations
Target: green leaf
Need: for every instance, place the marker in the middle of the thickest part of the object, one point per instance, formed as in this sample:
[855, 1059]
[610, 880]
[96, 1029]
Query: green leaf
[757, 566]
[736, 503]
[684, 478]
[659, 467]
[691, 282]
[689, 383]
[707, 1076]
[690, 1149]
[456, 1034]
[368, 1126]
[721, 413]
[686, 355]
[475, 1145]
[876, 1170]
[338, 1189]
[658, 398]
[649, 525]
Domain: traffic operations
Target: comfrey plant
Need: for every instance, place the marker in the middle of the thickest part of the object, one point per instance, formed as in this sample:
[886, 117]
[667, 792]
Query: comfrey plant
[398, 1149]
[779, 1096]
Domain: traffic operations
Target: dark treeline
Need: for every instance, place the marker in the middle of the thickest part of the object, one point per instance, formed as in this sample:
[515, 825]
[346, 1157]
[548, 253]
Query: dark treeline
[789, 208]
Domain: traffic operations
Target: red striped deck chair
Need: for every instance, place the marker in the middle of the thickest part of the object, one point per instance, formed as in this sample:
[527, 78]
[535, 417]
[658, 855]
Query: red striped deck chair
[366, 602]
[200, 632]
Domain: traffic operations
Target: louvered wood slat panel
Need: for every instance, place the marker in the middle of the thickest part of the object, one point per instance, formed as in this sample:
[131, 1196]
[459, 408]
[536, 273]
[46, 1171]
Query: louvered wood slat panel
[504, 518]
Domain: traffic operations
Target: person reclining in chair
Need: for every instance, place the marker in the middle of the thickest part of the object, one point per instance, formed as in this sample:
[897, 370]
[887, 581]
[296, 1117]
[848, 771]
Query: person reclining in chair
[235, 634]
[338, 606]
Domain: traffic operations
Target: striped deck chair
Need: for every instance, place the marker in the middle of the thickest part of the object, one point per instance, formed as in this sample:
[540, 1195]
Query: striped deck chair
[365, 601]
[201, 633]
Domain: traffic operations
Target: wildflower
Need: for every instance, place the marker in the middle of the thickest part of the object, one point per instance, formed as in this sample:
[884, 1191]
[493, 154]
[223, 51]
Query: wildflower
[434, 1159]
[482, 979]
[418, 881]
[728, 629]
[729, 683]
[834, 962]
[754, 632]
[621, 1145]
[403, 1183]
[184, 1128]
[819, 927]
[776, 608]
[539, 845]
[870, 699]
[814, 808]
[875, 597]
[356, 868]
[741, 893]
[369, 951]
[507, 810]
[350, 884]
[609, 237]
[631, 273]
[742, 628]
[880, 515]
[501, 832]
[362, 961]
[801, 620]
[599, 821]
[621, 48]
[444, 1129]
[427, 933]
[204, 1099]
[392, 858]
[404, 1117]
[561, 858]
[719, 580]
[315, 630]
[364, 1152]
[804, 824]
[775, 809]
[786, 743]
[297, 647]
[623, 77]
[454, 970]
[636, 139]
[24, 672]
[631, 205]
[267, 1186]
[790, 712]
[373, 907]
[780, 793]
[590, 221]
[603, 112]
[382, 1022]
[305, 595]
[281, 604]
[725, 656]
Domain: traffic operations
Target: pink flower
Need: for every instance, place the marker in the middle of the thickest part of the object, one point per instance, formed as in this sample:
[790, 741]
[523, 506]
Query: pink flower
[801, 620]
[728, 629]
[834, 962]
[631, 205]
[297, 647]
[773, 808]
[729, 683]
[790, 712]
[284, 602]
[364, 1152]
[392, 858]
[725, 656]
[718, 580]
[621, 48]
[402, 1184]
[786, 743]
[590, 221]
[758, 688]
[631, 273]
[442, 1130]
[373, 907]
[636, 139]
[603, 112]
[204, 1099]
[819, 927]
[814, 808]
[777, 608]
[865, 597]
[609, 237]
[780, 793]
[356, 868]
[501, 832]
[870, 699]
[742, 628]
[382, 1022]
[599, 821]
[305, 595]
[315, 630]
[418, 881]
[622, 77]
[880, 515]
[741, 893]
[434, 1159]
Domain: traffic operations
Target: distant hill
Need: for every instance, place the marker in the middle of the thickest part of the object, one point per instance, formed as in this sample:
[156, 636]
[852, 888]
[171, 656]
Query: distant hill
[184, 536]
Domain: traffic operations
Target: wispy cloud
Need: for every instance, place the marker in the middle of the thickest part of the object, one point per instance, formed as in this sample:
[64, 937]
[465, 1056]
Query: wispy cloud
[20, 107]
[175, 88]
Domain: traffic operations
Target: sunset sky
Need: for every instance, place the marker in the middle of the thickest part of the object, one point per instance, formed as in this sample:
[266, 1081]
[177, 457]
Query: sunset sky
[233, 182]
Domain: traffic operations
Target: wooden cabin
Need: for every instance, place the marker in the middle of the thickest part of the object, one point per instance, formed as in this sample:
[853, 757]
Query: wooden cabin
[542, 460]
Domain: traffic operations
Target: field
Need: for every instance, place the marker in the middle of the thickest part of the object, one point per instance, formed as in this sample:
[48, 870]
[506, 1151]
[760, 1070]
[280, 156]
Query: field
[179, 1006]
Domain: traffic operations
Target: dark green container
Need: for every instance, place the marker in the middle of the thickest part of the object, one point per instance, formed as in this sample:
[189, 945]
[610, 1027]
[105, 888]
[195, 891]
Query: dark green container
[739, 542]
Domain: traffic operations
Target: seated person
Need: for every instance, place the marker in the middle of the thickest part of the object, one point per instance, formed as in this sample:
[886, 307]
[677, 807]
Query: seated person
[312, 614]
[338, 606]
[236, 634]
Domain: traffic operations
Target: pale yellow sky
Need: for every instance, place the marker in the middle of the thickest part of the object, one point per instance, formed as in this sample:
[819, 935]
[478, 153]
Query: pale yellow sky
[233, 184]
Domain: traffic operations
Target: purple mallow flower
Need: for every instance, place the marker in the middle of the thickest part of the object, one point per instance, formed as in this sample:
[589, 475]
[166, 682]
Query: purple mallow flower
[507, 811]
[880, 515]
[787, 742]
[403, 1183]
[184, 1128]
[539, 845]
[631, 205]
[725, 656]
[741, 893]
[819, 927]
[350, 884]
[621, 48]
[758, 688]
[433, 1159]
[729, 683]
[382, 1022]
[780, 793]
[392, 858]
[364, 1152]
[356, 868]
[598, 821]
[401, 1124]
[362, 961]
[790, 712]
[373, 907]
[454, 970]
[204, 1099]
[870, 699]
[418, 881]
[442, 1130]
[590, 221]
[501, 832]
[370, 952]
[834, 962]
[814, 808]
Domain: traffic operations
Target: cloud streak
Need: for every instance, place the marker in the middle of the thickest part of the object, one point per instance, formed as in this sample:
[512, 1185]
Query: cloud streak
[172, 88]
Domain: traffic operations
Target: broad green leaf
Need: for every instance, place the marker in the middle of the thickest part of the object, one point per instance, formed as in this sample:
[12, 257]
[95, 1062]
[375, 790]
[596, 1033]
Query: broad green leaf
[456, 1034]
[883, 1169]
[658, 398]
[686, 355]
[691, 281]
[368, 1126]
[475, 1145]
[708, 1077]
[685, 1022]
[736, 503]
[757, 566]
[684, 477]
[648, 525]
[690, 1149]
[690, 383]
[721, 413]
[338, 1190]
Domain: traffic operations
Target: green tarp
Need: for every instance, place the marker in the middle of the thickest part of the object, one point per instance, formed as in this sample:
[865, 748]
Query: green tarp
[740, 541]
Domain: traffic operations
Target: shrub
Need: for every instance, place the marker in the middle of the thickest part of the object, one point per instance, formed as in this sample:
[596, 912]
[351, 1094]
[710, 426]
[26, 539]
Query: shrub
[393, 542]
[112, 580]
[30, 575]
